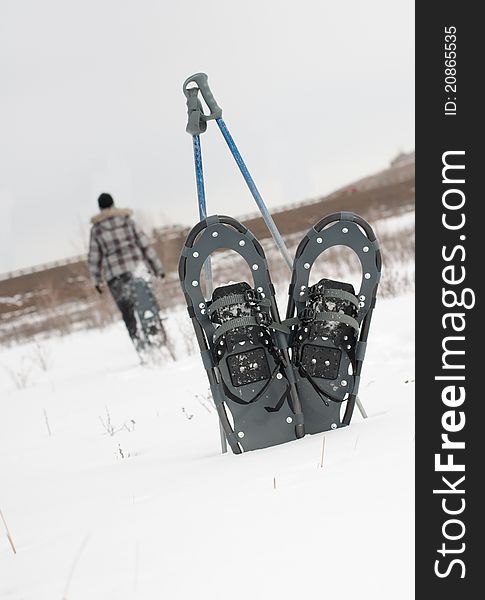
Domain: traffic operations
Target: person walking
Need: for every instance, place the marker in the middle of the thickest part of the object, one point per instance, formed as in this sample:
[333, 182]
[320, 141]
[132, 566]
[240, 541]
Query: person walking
[118, 251]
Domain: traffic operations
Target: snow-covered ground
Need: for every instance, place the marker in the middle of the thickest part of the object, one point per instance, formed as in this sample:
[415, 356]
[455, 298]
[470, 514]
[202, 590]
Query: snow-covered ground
[155, 511]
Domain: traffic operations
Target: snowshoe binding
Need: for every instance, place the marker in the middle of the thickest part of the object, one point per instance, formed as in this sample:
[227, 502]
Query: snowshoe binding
[243, 345]
[330, 321]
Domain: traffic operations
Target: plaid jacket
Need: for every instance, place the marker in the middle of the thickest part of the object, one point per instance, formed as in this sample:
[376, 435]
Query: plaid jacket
[117, 245]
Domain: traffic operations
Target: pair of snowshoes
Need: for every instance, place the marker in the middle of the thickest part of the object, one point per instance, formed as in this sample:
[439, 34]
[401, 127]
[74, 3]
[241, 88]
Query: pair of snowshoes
[274, 381]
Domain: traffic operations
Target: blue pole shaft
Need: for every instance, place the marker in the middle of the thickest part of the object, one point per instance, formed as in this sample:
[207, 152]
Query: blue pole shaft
[199, 177]
[268, 219]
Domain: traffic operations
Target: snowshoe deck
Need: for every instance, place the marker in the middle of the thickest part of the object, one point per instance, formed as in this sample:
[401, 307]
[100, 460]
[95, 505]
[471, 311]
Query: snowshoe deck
[243, 344]
[330, 321]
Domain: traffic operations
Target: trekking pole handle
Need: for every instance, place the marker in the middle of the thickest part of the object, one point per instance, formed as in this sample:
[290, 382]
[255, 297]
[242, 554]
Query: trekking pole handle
[201, 81]
[196, 123]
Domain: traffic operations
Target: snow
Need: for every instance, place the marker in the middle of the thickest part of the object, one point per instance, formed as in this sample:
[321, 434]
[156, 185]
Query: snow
[395, 224]
[155, 511]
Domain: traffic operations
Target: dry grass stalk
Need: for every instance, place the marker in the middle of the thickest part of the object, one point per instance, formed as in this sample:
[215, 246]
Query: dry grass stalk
[8, 533]
[323, 452]
[47, 422]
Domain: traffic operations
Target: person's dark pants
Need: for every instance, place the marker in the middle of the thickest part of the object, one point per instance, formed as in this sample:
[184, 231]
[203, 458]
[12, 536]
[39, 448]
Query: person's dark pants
[121, 289]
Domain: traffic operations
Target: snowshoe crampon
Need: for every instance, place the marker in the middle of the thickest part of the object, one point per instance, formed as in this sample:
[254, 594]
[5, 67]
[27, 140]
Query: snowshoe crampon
[243, 344]
[330, 321]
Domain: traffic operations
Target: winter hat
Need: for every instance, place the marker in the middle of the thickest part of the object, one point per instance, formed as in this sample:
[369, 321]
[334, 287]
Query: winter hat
[105, 201]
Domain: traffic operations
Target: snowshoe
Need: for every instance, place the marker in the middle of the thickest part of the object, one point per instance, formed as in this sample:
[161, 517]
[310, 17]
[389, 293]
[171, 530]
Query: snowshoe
[152, 332]
[330, 321]
[242, 342]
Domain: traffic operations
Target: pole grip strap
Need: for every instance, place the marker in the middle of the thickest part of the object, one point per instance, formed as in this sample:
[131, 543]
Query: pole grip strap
[196, 124]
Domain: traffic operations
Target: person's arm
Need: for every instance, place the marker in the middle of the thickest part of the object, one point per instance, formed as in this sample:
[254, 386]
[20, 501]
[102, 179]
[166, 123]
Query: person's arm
[95, 261]
[149, 254]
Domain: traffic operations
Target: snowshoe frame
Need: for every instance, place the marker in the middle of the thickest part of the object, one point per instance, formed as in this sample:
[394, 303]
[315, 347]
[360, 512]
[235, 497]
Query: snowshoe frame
[256, 425]
[337, 229]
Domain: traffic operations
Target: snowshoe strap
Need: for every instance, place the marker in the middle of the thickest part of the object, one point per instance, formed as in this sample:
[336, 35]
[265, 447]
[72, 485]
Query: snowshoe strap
[224, 301]
[249, 322]
[290, 322]
[339, 317]
[251, 297]
[234, 324]
[335, 293]
[278, 327]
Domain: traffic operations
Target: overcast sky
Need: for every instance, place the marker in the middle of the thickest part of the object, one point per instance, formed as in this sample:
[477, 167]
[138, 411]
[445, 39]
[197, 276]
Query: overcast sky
[316, 93]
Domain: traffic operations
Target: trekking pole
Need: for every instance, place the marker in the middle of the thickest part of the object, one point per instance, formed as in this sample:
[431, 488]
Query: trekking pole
[195, 127]
[200, 79]
[199, 177]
